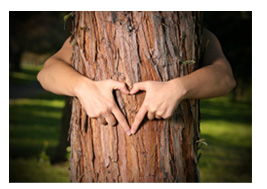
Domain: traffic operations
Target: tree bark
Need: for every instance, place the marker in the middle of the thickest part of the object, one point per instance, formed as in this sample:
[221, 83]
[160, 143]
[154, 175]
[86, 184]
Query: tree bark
[131, 47]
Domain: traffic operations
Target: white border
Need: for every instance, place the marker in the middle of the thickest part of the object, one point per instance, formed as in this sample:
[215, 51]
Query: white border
[259, 71]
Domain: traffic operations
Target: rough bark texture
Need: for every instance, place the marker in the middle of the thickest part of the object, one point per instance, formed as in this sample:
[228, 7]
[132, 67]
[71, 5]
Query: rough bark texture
[133, 47]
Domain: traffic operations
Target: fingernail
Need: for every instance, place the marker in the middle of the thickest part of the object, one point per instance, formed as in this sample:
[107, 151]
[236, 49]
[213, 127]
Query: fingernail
[129, 133]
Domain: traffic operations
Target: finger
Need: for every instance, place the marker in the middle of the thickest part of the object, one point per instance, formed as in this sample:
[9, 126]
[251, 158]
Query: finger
[110, 119]
[137, 87]
[138, 119]
[168, 114]
[121, 86]
[121, 120]
[150, 115]
[101, 121]
[158, 116]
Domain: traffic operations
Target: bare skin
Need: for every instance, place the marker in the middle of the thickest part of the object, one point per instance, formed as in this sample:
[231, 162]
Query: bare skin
[57, 76]
[215, 78]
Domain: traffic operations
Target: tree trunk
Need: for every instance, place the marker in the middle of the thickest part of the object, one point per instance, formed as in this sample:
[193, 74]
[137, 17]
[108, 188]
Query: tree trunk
[131, 47]
[61, 153]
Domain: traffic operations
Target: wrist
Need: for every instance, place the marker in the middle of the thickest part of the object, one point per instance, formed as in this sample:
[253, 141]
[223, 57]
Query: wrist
[81, 84]
[179, 88]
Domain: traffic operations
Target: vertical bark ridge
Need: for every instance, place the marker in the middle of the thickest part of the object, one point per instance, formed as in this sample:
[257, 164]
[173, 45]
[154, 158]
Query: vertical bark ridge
[132, 47]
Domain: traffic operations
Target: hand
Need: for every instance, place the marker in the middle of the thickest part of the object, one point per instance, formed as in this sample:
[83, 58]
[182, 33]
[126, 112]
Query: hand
[160, 101]
[98, 101]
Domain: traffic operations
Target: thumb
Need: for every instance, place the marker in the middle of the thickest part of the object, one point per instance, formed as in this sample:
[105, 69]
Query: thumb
[137, 87]
[121, 86]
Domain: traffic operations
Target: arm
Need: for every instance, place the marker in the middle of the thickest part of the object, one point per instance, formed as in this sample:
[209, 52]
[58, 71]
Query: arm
[57, 75]
[96, 97]
[214, 79]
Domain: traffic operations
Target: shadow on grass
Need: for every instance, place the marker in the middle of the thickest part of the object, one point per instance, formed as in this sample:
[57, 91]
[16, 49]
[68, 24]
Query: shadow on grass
[227, 128]
[32, 122]
[27, 74]
[223, 109]
[222, 161]
[34, 131]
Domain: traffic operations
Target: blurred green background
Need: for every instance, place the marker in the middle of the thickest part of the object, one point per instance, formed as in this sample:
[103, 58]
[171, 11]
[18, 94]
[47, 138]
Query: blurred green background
[35, 115]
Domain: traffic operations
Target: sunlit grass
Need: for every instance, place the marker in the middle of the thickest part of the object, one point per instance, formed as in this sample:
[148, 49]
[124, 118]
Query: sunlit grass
[27, 74]
[227, 128]
[58, 103]
[34, 170]
[33, 123]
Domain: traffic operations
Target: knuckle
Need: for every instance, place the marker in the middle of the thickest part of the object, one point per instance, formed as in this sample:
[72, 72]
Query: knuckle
[101, 121]
[166, 116]
[97, 114]
[160, 115]
[146, 104]
[152, 109]
[150, 118]
[91, 114]
[112, 122]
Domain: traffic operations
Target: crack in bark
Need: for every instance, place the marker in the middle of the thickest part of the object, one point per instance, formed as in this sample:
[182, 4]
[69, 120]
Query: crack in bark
[132, 47]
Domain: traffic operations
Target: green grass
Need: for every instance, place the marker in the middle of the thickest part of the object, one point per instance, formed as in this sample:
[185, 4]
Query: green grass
[34, 129]
[227, 128]
[27, 74]
[34, 170]
[32, 121]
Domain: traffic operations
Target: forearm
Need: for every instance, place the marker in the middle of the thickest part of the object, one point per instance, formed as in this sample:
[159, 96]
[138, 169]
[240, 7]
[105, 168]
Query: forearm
[59, 77]
[207, 82]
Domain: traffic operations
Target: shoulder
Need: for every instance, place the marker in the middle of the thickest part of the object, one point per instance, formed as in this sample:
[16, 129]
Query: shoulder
[211, 47]
[209, 39]
[65, 52]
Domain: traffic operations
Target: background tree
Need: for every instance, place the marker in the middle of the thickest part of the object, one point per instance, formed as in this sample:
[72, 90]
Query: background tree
[131, 47]
[234, 30]
[36, 32]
